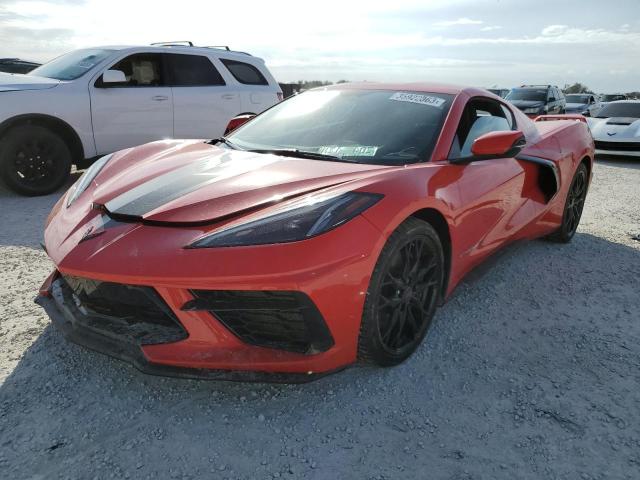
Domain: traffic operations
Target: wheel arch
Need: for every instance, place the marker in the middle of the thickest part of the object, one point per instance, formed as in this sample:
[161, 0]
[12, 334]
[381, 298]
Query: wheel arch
[439, 223]
[55, 124]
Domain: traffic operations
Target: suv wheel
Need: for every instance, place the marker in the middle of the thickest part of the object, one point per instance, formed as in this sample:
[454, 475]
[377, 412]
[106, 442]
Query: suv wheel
[34, 160]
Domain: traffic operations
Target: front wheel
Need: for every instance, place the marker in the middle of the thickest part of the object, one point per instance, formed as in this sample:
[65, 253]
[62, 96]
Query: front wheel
[403, 294]
[573, 207]
[34, 160]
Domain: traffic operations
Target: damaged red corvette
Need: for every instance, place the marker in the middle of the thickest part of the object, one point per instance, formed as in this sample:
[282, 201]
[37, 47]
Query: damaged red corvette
[321, 233]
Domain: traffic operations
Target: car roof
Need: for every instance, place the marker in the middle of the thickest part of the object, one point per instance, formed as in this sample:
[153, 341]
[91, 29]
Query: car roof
[182, 49]
[422, 87]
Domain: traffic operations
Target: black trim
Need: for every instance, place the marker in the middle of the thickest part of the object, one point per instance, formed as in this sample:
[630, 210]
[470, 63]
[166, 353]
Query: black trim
[63, 320]
[618, 146]
[283, 320]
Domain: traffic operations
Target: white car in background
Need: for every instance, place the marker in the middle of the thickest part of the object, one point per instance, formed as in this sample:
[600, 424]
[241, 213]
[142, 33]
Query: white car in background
[95, 101]
[616, 129]
[586, 104]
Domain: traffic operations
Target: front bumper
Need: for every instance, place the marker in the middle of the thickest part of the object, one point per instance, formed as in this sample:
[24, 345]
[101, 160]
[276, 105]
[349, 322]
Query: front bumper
[70, 321]
[332, 270]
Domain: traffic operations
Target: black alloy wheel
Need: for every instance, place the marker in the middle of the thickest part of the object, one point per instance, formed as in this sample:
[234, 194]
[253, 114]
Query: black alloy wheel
[34, 160]
[403, 294]
[573, 206]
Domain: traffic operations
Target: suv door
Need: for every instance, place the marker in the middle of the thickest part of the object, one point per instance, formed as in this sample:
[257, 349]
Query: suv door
[133, 112]
[202, 102]
[552, 101]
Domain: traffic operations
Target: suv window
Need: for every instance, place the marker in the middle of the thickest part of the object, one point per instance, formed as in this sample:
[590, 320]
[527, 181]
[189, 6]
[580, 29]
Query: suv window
[192, 70]
[141, 70]
[244, 73]
[480, 116]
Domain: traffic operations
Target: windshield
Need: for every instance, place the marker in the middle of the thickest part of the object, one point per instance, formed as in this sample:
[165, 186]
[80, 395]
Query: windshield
[530, 94]
[613, 97]
[71, 65]
[620, 110]
[365, 126]
[577, 99]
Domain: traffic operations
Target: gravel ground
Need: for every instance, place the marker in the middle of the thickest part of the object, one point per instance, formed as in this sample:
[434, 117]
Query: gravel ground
[531, 371]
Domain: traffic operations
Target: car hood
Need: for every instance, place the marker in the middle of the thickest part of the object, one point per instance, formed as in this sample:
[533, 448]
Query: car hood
[576, 106]
[527, 103]
[194, 182]
[15, 81]
[615, 128]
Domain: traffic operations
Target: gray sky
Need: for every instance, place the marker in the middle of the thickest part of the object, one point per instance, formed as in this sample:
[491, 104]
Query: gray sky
[481, 42]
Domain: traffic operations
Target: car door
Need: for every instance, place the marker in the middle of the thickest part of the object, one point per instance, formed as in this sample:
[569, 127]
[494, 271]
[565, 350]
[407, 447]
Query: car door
[492, 193]
[133, 112]
[553, 101]
[203, 103]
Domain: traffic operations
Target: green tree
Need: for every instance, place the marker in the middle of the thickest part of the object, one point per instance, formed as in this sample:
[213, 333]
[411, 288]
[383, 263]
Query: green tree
[576, 88]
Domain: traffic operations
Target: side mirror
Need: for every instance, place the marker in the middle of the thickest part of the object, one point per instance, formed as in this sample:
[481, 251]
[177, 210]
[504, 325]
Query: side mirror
[552, 99]
[498, 144]
[236, 122]
[113, 76]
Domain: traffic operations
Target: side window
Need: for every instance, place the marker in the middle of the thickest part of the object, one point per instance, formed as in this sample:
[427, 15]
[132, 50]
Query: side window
[191, 71]
[244, 72]
[141, 70]
[480, 116]
[551, 94]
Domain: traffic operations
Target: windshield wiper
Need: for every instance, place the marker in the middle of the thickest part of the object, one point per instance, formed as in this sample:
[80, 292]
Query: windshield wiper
[229, 144]
[294, 152]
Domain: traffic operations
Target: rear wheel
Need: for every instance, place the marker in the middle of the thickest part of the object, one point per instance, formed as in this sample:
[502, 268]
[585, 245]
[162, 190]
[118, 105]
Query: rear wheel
[573, 207]
[403, 294]
[34, 160]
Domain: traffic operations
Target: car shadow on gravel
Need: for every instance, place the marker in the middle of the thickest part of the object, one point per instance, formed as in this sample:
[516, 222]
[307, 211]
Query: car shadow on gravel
[17, 211]
[531, 370]
[628, 162]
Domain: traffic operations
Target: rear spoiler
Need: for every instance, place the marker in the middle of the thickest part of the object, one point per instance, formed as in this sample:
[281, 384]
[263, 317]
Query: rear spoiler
[547, 118]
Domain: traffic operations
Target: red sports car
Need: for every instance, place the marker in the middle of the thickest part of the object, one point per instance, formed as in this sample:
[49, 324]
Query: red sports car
[323, 232]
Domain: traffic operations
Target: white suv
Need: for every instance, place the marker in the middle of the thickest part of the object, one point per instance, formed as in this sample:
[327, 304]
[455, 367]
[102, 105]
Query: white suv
[95, 101]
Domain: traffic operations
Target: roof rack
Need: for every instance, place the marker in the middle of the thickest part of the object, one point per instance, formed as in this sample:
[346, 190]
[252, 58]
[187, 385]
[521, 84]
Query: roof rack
[541, 85]
[175, 43]
[221, 47]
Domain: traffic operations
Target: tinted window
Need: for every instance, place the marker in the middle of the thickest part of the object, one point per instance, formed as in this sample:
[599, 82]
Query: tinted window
[72, 65]
[480, 116]
[576, 98]
[613, 97]
[365, 126]
[141, 70]
[245, 73]
[530, 94]
[620, 110]
[192, 70]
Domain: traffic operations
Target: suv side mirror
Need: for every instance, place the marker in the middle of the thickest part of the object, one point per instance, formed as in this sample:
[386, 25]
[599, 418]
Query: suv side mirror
[113, 76]
[552, 99]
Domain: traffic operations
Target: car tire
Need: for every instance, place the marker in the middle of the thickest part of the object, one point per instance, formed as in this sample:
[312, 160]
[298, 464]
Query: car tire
[403, 294]
[573, 206]
[34, 160]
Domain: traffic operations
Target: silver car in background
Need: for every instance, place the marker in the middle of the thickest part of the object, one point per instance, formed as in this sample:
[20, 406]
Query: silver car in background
[616, 129]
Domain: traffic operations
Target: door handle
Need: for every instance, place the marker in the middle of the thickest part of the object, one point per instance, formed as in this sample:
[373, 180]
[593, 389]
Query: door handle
[159, 98]
[228, 96]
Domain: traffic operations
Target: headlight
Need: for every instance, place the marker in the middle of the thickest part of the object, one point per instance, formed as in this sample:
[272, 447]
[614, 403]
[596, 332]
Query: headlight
[87, 177]
[305, 219]
[532, 110]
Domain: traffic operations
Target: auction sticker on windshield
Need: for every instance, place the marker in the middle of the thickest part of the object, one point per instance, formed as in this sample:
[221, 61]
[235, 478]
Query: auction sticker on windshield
[348, 151]
[418, 98]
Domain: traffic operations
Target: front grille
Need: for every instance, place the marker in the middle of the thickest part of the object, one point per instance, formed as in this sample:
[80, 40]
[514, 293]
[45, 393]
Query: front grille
[273, 319]
[131, 312]
[619, 146]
